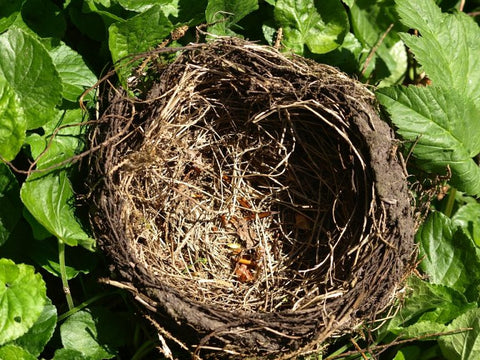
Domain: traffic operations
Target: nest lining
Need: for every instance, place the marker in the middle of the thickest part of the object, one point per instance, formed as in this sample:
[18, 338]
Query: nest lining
[257, 192]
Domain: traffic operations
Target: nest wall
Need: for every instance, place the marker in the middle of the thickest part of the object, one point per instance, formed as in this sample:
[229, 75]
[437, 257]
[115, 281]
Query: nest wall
[252, 202]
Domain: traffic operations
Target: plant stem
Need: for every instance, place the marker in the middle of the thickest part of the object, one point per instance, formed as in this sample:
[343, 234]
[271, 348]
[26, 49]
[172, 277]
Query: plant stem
[450, 202]
[84, 305]
[63, 274]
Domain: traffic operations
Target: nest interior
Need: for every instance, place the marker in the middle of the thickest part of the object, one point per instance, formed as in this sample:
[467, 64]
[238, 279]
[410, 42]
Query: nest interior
[251, 197]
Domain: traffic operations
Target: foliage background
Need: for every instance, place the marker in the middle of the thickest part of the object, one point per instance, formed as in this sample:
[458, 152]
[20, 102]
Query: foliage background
[51, 304]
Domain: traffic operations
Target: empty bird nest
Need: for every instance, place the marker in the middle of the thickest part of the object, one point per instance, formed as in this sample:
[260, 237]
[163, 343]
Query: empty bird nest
[251, 201]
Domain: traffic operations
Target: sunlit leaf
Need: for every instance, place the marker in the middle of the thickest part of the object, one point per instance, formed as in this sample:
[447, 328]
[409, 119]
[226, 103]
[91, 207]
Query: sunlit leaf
[427, 308]
[12, 122]
[15, 352]
[449, 257]
[75, 74]
[448, 47]
[40, 333]
[319, 25]
[54, 145]
[225, 13]
[29, 71]
[96, 333]
[49, 198]
[22, 299]
[468, 218]
[464, 345]
[440, 122]
[140, 33]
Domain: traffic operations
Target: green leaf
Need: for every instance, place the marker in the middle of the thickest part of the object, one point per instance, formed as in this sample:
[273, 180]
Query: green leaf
[29, 70]
[227, 13]
[140, 33]
[320, 25]
[12, 122]
[75, 74]
[450, 257]
[139, 5]
[49, 198]
[427, 306]
[65, 143]
[96, 333]
[467, 217]
[464, 345]
[68, 354]
[448, 46]
[169, 7]
[44, 17]
[40, 333]
[11, 209]
[371, 23]
[22, 299]
[14, 352]
[441, 124]
[9, 11]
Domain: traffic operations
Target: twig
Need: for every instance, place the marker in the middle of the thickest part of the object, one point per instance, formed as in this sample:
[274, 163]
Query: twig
[375, 48]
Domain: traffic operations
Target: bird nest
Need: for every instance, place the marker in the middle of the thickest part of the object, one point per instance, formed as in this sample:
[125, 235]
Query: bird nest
[252, 202]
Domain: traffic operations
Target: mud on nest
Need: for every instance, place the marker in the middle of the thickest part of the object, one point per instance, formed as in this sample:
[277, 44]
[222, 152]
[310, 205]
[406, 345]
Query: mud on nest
[253, 202]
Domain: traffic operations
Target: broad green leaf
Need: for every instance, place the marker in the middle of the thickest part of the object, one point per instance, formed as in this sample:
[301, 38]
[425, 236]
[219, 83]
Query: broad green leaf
[11, 208]
[14, 352]
[40, 333]
[65, 143]
[44, 18]
[9, 11]
[450, 257]
[29, 70]
[468, 218]
[227, 13]
[140, 33]
[448, 46]
[96, 333]
[441, 124]
[49, 198]
[12, 122]
[22, 299]
[75, 74]
[426, 306]
[68, 354]
[320, 25]
[464, 345]
[139, 5]
[169, 7]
